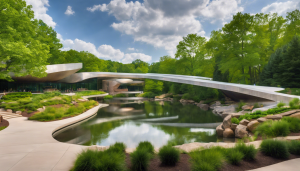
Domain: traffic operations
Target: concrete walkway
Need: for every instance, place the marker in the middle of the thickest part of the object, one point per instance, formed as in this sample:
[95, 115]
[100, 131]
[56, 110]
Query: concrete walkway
[290, 165]
[29, 146]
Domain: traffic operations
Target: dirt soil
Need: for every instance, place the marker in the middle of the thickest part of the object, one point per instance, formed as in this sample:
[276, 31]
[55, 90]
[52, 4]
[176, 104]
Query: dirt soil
[155, 164]
[4, 123]
[260, 161]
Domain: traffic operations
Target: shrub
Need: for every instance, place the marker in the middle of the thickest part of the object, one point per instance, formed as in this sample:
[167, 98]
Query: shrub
[120, 95]
[233, 156]
[148, 95]
[273, 128]
[169, 155]
[209, 159]
[186, 96]
[118, 147]
[248, 151]
[16, 96]
[235, 120]
[294, 103]
[274, 148]
[280, 104]
[89, 93]
[294, 123]
[140, 159]
[294, 147]
[146, 145]
[108, 97]
[177, 97]
[99, 160]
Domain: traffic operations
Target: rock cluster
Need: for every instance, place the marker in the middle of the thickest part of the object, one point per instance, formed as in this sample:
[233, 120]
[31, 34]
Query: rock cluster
[229, 130]
[187, 101]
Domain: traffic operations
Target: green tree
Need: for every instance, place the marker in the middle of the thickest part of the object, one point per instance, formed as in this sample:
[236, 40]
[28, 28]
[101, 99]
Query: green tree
[191, 53]
[21, 49]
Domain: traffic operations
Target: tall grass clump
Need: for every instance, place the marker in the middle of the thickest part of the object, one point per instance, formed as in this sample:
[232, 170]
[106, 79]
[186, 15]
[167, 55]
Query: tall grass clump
[147, 146]
[280, 104]
[118, 147]
[108, 97]
[99, 160]
[294, 123]
[274, 148]
[209, 159]
[294, 147]
[273, 129]
[140, 159]
[233, 156]
[294, 103]
[169, 155]
[248, 151]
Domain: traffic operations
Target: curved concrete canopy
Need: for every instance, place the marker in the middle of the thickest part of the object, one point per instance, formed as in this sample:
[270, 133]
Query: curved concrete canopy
[257, 91]
[54, 73]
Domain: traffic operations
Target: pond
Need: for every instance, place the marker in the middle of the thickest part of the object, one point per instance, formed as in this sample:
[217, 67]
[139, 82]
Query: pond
[159, 122]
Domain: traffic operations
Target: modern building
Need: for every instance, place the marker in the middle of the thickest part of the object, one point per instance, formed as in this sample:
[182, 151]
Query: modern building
[54, 81]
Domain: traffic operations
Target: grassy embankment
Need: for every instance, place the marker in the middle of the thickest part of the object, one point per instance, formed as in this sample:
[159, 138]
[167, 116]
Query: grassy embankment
[58, 106]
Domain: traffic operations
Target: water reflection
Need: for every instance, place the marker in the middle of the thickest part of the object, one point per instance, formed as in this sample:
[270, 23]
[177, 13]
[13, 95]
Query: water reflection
[148, 121]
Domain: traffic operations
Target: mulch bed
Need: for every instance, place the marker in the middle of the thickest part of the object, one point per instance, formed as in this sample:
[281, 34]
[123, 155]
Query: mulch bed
[155, 164]
[4, 123]
[261, 161]
[185, 165]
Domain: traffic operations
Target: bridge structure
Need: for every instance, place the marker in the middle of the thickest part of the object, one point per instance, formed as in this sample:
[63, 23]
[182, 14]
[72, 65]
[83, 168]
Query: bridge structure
[232, 90]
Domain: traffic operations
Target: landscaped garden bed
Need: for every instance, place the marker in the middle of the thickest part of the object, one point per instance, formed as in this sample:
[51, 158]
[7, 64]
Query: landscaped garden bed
[46, 107]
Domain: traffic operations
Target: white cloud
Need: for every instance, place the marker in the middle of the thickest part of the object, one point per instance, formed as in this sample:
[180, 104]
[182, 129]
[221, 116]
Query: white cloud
[69, 11]
[103, 51]
[164, 23]
[129, 57]
[40, 11]
[131, 49]
[281, 7]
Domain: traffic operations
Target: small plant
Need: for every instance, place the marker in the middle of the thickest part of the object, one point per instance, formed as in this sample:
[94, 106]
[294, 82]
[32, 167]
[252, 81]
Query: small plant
[169, 155]
[294, 103]
[274, 148]
[108, 97]
[294, 147]
[235, 120]
[280, 104]
[147, 146]
[140, 159]
[209, 159]
[249, 151]
[233, 156]
[273, 128]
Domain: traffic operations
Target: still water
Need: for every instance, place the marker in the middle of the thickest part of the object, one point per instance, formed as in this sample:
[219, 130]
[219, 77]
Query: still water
[159, 122]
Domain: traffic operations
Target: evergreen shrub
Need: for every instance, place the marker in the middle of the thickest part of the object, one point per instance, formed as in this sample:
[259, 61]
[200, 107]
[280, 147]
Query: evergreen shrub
[233, 156]
[147, 146]
[248, 151]
[169, 155]
[140, 159]
[294, 147]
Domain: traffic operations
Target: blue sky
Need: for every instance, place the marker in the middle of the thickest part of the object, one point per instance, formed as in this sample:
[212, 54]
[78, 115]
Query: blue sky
[123, 30]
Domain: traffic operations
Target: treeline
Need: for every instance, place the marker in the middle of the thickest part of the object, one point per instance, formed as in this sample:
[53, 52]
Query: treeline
[239, 52]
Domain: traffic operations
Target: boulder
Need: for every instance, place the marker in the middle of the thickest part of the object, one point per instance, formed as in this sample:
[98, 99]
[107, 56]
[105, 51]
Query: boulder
[220, 130]
[201, 102]
[204, 106]
[261, 120]
[244, 122]
[82, 100]
[228, 133]
[190, 101]
[227, 122]
[241, 131]
[236, 115]
[296, 115]
[252, 125]
[247, 107]
[233, 126]
[218, 103]
[18, 112]
[223, 109]
[9, 110]
[2, 110]
[274, 117]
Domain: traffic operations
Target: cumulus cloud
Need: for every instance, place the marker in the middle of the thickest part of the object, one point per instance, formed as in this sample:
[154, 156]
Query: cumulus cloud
[164, 23]
[40, 11]
[131, 49]
[281, 7]
[69, 11]
[129, 57]
[103, 51]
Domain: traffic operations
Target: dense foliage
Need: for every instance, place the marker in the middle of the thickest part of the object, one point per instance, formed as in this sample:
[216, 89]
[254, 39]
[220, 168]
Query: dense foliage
[89, 93]
[169, 155]
[16, 96]
[274, 148]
